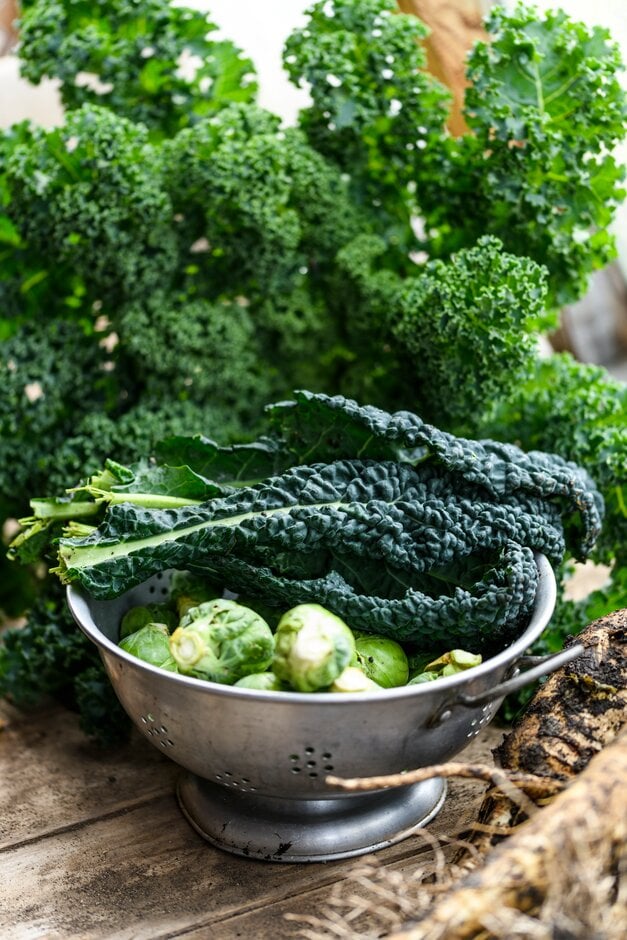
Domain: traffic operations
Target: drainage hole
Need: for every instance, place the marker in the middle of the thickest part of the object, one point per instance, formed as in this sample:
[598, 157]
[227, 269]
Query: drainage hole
[227, 773]
[313, 774]
[218, 776]
[310, 750]
[328, 767]
[294, 757]
[164, 730]
[295, 770]
[245, 780]
[327, 756]
[171, 743]
[311, 763]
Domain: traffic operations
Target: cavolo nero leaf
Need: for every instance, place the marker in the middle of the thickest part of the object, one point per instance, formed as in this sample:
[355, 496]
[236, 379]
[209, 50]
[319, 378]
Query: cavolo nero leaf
[454, 521]
[263, 539]
[322, 427]
[236, 465]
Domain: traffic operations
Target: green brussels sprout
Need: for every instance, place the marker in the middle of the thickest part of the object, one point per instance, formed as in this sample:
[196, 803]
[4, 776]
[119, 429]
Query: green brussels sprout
[222, 641]
[312, 648]
[271, 615]
[383, 660]
[151, 643]
[449, 664]
[189, 590]
[353, 679]
[423, 677]
[265, 681]
[138, 617]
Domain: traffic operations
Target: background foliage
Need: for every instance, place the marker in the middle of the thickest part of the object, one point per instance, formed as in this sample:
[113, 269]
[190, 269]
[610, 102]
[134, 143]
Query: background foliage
[172, 258]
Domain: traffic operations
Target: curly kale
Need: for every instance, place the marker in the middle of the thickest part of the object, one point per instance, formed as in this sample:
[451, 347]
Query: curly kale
[470, 322]
[196, 350]
[80, 196]
[148, 60]
[546, 109]
[50, 657]
[267, 205]
[42, 396]
[375, 110]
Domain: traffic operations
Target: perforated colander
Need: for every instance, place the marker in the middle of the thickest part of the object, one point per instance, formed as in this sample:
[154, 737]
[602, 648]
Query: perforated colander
[255, 762]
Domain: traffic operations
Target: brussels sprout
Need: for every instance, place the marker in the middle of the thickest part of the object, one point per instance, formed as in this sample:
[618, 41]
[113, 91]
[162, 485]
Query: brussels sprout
[449, 664]
[222, 641]
[423, 677]
[151, 643]
[312, 647]
[138, 617]
[352, 679]
[265, 681]
[454, 661]
[188, 590]
[383, 660]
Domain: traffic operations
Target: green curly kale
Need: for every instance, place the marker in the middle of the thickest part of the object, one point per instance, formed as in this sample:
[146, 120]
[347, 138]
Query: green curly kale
[41, 396]
[470, 322]
[375, 110]
[546, 109]
[50, 657]
[149, 60]
[65, 187]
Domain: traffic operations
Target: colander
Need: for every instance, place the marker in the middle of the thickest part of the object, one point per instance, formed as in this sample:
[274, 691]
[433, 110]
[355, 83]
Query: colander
[255, 762]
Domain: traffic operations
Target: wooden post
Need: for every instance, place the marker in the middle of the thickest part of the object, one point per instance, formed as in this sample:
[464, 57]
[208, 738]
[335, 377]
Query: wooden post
[455, 26]
[8, 14]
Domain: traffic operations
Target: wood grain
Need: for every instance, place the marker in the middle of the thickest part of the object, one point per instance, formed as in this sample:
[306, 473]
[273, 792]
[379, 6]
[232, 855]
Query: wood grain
[93, 846]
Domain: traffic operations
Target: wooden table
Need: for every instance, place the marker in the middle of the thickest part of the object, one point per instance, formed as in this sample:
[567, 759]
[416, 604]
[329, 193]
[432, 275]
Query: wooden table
[93, 845]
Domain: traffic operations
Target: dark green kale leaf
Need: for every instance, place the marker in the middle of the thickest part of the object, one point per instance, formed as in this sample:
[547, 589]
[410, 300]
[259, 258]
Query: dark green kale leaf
[152, 61]
[319, 427]
[580, 412]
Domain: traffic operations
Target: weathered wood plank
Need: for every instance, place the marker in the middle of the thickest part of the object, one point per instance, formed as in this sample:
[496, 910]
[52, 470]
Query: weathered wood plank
[84, 857]
[275, 919]
[52, 778]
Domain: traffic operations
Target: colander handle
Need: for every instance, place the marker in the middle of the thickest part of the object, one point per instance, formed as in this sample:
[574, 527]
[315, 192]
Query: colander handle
[541, 666]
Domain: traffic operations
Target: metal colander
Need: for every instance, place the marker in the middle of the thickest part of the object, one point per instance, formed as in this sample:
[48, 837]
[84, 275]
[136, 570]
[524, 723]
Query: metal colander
[256, 761]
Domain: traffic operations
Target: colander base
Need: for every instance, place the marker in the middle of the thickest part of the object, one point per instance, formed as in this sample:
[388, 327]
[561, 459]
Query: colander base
[287, 830]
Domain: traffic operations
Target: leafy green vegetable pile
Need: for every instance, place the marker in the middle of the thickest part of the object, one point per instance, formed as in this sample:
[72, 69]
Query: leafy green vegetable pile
[396, 527]
[172, 258]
